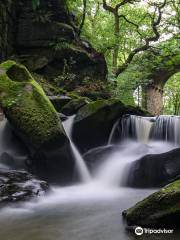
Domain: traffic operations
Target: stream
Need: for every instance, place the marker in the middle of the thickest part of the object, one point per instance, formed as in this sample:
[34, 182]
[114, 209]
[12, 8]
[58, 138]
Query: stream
[91, 210]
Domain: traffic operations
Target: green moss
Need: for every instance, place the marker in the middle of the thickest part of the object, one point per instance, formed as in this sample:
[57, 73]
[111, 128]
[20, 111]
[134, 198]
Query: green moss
[74, 105]
[26, 105]
[156, 207]
[50, 88]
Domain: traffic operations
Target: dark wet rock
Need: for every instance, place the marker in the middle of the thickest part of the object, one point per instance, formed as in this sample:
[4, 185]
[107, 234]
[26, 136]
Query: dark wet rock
[74, 105]
[155, 170]
[63, 117]
[94, 122]
[161, 209]
[16, 186]
[59, 101]
[97, 156]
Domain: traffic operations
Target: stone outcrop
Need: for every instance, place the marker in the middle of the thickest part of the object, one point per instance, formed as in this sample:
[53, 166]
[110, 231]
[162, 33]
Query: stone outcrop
[46, 41]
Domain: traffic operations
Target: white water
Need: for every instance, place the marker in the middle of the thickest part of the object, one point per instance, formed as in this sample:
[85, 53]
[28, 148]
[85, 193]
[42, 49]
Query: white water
[144, 129]
[91, 210]
[113, 132]
[80, 164]
[167, 128]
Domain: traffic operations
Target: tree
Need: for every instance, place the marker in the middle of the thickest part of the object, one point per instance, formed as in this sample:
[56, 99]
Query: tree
[172, 96]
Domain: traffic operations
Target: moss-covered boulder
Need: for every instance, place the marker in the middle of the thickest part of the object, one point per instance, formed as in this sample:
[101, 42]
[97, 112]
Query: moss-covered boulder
[35, 120]
[74, 105]
[161, 209]
[94, 122]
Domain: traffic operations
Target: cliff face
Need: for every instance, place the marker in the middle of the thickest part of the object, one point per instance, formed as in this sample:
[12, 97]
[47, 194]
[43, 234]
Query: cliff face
[46, 41]
[7, 28]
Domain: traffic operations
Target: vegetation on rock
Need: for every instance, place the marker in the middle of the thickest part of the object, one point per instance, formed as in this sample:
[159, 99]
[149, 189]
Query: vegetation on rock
[26, 105]
[158, 210]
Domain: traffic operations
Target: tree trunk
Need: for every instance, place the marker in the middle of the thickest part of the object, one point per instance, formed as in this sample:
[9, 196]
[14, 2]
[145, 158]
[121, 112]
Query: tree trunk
[153, 99]
[116, 47]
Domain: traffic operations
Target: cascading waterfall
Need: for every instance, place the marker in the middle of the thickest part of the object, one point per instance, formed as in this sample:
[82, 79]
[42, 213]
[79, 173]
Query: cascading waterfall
[81, 166]
[167, 128]
[143, 129]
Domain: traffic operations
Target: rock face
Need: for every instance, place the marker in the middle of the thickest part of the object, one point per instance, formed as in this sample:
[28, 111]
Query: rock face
[35, 120]
[161, 209]
[16, 186]
[155, 170]
[7, 29]
[46, 41]
[94, 122]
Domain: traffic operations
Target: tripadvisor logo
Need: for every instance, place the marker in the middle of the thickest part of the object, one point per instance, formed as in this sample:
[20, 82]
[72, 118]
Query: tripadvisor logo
[139, 231]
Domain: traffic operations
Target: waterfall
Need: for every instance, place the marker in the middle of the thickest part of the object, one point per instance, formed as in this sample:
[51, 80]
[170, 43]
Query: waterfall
[167, 128]
[81, 166]
[13, 153]
[143, 129]
[111, 136]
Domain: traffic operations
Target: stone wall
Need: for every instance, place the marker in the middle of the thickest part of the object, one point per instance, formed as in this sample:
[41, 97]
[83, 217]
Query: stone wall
[7, 28]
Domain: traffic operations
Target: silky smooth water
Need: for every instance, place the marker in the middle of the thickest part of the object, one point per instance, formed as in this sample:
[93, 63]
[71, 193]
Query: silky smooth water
[80, 164]
[91, 210]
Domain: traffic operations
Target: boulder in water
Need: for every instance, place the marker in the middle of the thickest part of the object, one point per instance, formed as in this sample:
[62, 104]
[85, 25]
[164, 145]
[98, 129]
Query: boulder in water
[155, 170]
[35, 120]
[161, 209]
[96, 156]
[16, 186]
[94, 122]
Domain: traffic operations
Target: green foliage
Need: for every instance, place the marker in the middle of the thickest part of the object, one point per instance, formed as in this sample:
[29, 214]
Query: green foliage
[67, 78]
[99, 29]
[172, 96]
[35, 4]
[59, 45]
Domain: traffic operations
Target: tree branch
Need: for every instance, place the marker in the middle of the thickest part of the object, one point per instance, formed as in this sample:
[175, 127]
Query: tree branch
[148, 40]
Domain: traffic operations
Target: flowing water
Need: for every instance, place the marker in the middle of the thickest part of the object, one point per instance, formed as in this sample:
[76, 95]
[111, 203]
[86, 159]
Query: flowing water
[91, 210]
[80, 164]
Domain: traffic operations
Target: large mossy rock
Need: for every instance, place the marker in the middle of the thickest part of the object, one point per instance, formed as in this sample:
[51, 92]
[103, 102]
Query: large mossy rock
[93, 122]
[161, 209]
[35, 120]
